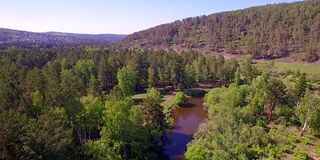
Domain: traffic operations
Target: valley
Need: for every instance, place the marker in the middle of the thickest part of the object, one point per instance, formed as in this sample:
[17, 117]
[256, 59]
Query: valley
[240, 84]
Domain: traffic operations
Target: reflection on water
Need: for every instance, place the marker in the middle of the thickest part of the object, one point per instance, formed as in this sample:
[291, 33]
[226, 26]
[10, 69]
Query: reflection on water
[185, 122]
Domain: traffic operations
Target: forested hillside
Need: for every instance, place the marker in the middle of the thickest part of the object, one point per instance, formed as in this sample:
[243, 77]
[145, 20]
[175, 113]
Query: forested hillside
[270, 31]
[24, 39]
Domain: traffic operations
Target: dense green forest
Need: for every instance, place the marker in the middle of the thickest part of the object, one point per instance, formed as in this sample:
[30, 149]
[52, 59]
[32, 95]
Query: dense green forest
[73, 103]
[268, 32]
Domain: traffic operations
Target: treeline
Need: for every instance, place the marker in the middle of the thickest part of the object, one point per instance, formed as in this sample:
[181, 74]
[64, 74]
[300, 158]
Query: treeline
[24, 39]
[270, 31]
[82, 71]
[72, 103]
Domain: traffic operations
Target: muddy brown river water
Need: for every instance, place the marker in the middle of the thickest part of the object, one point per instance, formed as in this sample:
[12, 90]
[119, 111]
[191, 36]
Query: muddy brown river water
[186, 120]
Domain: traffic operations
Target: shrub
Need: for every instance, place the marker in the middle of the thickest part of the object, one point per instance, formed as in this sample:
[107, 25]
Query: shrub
[274, 151]
[288, 72]
[300, 154]
[262, 123]
[318, 151]
[306, 141]
[283, 123]
[286, 149]
[293, 139]
[180, 98]
[256, 151]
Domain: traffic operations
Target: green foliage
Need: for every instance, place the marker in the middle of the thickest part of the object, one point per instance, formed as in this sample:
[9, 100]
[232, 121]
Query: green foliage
[213, 96]
[256, 151]
[225, 125]
[232, 97]
[180, 98]
[12, 127]
[64, 65]
[306, 141]
[276, 94]
[46, 137]
[300, 87]
[197, 152]
[191, 74]
[91, 117]
[293, 139]
[154, 116]
[309, 111]
[122, 134]
[261, 123]
[300, 154]
[274, 151]
[151, 77]
[126, 81]
[155, 95]
[115, 94]
[237, 76]
[38, 104]
[39, 143]
[51, 106]
[286, 149]
[248, 70]
[318, 151]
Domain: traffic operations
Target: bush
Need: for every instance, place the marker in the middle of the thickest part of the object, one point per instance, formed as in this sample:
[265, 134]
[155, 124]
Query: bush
[306, 141]
[283, 123]
[286, 149]
[274, 151]
[180, 98]
[315, 78]
[256, 151]
[287, 111]
[293, 139]
[262, 123]
[318, 151]
[300, 154]
[288, 72]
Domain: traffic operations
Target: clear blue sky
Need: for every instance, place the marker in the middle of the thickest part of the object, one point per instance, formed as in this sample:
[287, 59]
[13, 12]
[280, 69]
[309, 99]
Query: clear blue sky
[109, 16]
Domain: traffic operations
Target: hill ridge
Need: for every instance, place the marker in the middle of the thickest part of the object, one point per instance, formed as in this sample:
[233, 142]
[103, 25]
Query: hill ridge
[270, 31]
[26, 39]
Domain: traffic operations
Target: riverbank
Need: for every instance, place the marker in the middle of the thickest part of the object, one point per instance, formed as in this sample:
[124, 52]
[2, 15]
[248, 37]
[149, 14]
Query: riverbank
[186, 120]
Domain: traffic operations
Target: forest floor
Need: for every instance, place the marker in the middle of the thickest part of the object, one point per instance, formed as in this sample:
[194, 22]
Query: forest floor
[308, 142]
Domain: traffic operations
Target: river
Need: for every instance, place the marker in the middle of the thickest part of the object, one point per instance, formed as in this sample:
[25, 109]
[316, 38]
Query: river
[186, 120]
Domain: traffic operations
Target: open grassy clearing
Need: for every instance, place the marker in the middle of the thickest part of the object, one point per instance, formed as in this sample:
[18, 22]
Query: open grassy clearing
[309, 68]
[139, 96]
[166, 98]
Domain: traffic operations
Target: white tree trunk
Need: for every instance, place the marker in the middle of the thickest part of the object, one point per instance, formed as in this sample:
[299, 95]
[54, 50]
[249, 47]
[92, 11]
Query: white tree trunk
[304, 128]
[305, 124]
